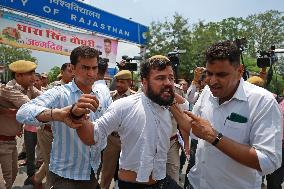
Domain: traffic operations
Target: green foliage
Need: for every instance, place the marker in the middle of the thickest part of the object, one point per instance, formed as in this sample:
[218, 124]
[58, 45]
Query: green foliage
[10, 54]
[264, 30]
[261, 31]
[53, 73]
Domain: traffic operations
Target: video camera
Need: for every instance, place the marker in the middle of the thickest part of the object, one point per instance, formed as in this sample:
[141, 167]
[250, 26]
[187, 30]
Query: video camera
[241, 43]
[174, 58]
[267, 58]
[128, 65]
[103, 63]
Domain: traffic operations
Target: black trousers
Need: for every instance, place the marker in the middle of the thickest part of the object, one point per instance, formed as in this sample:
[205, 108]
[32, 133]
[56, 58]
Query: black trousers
[30, 140]
[58, 182]
[166, 183]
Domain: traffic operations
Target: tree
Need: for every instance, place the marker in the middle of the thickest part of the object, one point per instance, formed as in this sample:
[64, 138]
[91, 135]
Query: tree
[53, 73]
[10, 54]
[265, 29]
[261, 30]
[164, 37]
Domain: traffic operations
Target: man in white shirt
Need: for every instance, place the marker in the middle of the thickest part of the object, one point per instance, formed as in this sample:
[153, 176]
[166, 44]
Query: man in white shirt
[239, 126]
[143, 123]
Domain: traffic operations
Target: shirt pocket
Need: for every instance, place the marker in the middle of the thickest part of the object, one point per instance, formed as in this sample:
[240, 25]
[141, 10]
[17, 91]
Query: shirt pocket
[235, 131]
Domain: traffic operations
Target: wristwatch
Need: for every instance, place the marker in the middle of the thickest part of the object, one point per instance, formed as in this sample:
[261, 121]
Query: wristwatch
[217, 139]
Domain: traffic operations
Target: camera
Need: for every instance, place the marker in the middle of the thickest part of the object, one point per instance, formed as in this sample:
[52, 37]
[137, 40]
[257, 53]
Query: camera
[241, 43]
[174, 58]
[103, 63]
[267, 58]
[128, 65]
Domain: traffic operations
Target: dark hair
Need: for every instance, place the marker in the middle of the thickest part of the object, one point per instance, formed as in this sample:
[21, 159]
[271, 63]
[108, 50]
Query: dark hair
[102, 66]
[225, 50]
[64, 66]
[83, 52]
[157, 62]
[38, 75]
[106, 40]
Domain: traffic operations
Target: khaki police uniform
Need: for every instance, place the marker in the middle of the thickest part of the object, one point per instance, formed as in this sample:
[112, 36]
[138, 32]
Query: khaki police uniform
[113, 148]
[173, 160]
[56, 83]
[12, 96]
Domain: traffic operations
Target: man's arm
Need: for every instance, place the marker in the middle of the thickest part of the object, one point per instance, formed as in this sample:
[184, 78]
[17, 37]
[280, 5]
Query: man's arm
[244, 154]
[86, 133]
[14, 96]
[182, 119]
[97, 132]
[183, 105]
[28, 112]
[262, 73]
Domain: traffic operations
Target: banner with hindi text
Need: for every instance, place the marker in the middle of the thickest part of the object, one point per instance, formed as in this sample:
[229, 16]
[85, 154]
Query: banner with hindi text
[24, 32]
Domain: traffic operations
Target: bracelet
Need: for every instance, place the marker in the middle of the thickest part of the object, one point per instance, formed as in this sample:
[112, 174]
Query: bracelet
[73, 116]
[217, 139]
[51, 114]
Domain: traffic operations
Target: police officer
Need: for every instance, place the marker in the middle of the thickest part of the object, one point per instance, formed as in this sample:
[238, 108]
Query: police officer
[12, 96]
[66, 75]
[112, 150]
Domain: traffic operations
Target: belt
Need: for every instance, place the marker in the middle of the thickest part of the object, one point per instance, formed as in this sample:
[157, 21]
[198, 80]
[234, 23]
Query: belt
[47, 128]
[173, 137]
[114, 134]
[7, 138]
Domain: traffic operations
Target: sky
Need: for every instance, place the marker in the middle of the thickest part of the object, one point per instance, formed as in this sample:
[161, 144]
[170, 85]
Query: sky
[147, 11]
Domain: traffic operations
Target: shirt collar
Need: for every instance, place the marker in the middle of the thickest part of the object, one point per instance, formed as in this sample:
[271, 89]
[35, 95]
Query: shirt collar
[17, 85]
[239, 94]
[100, 82]
[74, 88]
[127, 93]
[62, 82]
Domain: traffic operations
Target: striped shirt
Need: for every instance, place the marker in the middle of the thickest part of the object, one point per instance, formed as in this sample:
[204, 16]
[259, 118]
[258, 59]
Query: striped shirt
[69, 158]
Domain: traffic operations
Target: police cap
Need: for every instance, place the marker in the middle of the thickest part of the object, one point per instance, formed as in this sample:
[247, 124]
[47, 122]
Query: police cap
[256, 81]
[123, 74]
[22, 66]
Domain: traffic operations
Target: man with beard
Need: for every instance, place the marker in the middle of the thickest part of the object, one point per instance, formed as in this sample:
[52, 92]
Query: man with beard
[239, 126]
[143, 123]
[112, 150]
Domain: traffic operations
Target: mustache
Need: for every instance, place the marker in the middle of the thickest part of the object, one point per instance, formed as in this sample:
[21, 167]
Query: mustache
[167, 89]
[215, 86]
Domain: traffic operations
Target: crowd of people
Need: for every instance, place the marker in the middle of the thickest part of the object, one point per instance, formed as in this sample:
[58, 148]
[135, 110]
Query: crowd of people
[229, 130]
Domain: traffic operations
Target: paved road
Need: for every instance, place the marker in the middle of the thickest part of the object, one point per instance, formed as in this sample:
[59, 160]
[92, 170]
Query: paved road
[19, 183]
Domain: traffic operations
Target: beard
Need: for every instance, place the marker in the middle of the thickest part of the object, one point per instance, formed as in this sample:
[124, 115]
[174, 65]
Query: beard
[157, 97]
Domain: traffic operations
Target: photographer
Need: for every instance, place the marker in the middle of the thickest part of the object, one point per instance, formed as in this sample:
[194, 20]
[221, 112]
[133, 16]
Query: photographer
[197, 84]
